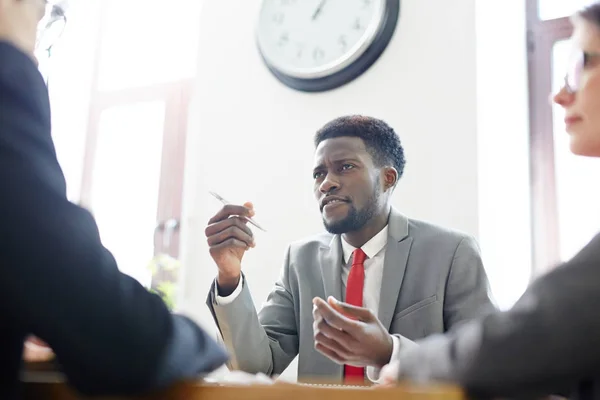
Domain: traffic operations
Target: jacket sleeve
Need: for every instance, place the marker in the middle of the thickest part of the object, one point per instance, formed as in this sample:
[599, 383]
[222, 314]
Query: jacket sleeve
[266, 342]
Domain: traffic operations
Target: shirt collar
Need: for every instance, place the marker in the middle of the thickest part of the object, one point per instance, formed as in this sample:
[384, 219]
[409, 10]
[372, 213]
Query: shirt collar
[371, 248]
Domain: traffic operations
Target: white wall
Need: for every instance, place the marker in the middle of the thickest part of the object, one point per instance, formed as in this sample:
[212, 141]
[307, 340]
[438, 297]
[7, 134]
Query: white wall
[503, 147]
[251, 137]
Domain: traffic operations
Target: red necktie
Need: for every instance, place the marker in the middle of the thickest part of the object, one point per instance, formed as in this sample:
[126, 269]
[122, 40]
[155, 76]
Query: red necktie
[354, 296]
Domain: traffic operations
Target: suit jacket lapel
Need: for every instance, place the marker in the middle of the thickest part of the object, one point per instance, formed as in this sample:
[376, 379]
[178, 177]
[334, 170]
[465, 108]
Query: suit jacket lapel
[331, 268]
[396, 256]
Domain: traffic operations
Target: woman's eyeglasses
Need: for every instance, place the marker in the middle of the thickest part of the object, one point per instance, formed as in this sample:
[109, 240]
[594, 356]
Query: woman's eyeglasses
[50, 28]
[580, 61]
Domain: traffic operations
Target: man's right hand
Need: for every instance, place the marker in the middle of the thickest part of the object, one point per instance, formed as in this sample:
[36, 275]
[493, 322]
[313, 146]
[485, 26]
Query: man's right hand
[228, 238]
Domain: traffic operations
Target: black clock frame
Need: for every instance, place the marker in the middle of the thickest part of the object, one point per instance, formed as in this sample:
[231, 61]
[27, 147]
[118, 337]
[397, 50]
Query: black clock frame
[358, 66]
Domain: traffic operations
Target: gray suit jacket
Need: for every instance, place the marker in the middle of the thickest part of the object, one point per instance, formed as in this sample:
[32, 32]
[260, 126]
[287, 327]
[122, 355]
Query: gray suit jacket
[548, 343]
[432, 279]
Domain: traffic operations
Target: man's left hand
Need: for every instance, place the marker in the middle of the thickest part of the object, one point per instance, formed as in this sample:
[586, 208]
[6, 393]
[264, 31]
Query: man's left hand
[350, 335]
[389, 373]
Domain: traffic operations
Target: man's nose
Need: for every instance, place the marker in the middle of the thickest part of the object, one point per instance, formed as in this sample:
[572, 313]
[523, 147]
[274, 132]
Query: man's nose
[328, 185]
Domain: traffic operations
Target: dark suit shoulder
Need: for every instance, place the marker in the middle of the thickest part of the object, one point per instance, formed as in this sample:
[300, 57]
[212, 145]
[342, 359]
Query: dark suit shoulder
[590, 251]
[25, 120]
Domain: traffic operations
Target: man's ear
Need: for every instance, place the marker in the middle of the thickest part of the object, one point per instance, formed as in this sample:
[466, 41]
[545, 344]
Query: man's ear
[390, 178]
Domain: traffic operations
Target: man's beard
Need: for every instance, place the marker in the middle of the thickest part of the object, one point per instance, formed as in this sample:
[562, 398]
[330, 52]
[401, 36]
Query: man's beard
[355, 219]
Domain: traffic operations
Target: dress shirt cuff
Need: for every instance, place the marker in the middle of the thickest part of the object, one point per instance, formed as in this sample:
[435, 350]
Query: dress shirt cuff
[372, 372]
[223, 301]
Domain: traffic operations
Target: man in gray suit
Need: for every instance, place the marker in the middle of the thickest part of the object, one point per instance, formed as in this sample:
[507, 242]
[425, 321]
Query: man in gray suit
[409, 278]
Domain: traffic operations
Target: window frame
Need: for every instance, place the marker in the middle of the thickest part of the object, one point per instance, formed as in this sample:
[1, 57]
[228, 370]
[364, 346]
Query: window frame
[541, 37]
[177, 96]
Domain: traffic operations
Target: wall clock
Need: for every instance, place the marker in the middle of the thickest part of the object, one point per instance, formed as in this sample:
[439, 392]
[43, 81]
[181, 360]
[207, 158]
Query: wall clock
[318, 45]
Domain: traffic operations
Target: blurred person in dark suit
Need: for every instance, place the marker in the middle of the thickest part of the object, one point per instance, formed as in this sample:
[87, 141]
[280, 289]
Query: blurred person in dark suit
[57, 281]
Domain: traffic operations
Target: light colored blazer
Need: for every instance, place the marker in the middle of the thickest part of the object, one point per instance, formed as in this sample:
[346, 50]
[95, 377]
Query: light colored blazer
[433, 279]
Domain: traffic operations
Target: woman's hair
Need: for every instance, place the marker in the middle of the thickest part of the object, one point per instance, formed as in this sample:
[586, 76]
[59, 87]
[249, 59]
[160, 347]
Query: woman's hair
[591, 13]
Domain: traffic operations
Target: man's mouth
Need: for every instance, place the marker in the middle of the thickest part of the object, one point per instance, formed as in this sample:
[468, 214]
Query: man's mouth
[332, 201]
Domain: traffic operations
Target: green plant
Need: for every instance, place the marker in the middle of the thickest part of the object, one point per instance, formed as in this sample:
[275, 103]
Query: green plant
[166, 291]
[164, 270]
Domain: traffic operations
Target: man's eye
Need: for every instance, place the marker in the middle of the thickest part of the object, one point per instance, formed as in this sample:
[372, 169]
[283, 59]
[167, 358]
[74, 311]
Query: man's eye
[347, 166]
[317, 175]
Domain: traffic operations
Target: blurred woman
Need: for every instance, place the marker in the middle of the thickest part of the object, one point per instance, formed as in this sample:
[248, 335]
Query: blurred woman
[549, 342]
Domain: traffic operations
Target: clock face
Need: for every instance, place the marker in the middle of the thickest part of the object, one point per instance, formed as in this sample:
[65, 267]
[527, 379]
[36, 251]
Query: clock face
[312, 39]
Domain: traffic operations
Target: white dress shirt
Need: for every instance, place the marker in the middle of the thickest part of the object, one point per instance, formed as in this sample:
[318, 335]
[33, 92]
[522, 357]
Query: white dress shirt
[375, 251]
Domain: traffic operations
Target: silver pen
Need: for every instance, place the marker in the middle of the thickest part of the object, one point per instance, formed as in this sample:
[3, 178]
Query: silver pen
[222, 200]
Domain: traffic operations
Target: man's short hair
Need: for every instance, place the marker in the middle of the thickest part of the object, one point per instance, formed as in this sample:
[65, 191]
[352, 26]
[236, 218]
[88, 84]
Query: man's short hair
[380, 139]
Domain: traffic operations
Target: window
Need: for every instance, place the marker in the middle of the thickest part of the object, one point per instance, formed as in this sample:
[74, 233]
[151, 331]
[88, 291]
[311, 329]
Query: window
[565, 212]
[145, 43]
[126, 216]
[120, 85]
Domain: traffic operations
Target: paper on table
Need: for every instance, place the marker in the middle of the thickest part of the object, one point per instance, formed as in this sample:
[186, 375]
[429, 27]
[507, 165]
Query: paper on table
[246, 379]
[336, 386]
[241, 378]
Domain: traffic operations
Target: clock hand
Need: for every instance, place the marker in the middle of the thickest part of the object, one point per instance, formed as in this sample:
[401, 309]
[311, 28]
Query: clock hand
[318, 10]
